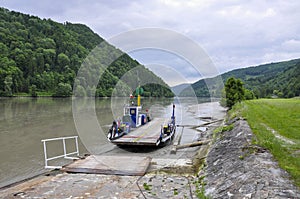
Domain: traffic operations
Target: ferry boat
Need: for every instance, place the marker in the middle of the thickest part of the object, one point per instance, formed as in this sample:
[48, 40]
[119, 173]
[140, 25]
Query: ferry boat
[138, 128]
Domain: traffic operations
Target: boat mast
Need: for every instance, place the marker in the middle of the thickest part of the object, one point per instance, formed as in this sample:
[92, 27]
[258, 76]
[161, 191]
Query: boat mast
[138, 90]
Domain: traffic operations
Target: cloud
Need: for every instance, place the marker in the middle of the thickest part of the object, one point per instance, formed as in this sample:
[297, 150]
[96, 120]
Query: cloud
[233, 33]
[291, 45]
[170, 67]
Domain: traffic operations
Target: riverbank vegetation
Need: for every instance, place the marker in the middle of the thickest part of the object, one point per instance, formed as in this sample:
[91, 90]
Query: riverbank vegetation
[234, 92]
[42, 57]
[276, 124]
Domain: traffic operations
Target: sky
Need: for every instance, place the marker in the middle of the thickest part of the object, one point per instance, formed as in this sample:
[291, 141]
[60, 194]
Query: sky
[232, 33]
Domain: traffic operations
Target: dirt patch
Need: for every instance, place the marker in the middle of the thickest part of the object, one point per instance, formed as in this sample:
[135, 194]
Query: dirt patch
[277, 135]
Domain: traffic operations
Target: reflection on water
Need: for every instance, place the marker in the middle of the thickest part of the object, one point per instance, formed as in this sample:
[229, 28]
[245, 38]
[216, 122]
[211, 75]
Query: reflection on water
[24, 122]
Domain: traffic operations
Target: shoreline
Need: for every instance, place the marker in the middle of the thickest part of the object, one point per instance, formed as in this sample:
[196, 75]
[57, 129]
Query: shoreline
[228, 167]
[185, 163]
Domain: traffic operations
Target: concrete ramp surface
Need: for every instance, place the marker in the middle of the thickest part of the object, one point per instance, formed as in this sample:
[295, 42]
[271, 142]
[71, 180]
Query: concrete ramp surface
[111, 165]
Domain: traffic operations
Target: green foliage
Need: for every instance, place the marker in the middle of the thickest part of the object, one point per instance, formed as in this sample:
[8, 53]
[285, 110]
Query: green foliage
[63, 60]
[48, 54]
[200, 191]
[276, 124]
[32, 91]
[8, 85]
[262, 80]
[234, 92]
[249, 95]
[200, 89]
[175, 192]
[224, 128]
[63, 90]
[147, 187]
[81, 92]
[157, 90]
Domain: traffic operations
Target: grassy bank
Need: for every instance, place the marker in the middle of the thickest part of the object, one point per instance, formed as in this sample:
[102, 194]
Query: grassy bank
[276, 124]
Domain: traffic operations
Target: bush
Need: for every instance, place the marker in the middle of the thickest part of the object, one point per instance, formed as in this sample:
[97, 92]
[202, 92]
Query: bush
[63, 90]
[234, 92]
[32, 91]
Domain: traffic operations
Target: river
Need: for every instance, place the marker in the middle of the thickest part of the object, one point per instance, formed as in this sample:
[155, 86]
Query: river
[24, 122]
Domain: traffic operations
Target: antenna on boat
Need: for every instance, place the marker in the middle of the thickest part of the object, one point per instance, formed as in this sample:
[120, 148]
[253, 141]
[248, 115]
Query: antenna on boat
[173, 114]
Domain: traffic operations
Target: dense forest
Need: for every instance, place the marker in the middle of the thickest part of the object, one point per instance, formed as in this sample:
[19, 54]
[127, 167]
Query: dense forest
[268, 80]
[42, 57]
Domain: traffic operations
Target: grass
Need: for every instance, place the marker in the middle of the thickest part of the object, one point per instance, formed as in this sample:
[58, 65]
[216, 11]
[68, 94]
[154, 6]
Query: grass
[22, 95]
[40, 94]
[200, 191]
[276, 124]
[147, 187]
[44, 94]
[222, 129]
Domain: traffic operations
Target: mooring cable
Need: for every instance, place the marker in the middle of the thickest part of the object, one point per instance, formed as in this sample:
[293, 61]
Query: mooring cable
[137, 183]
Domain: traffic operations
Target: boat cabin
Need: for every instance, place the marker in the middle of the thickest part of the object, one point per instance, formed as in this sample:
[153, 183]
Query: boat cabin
[134, 117]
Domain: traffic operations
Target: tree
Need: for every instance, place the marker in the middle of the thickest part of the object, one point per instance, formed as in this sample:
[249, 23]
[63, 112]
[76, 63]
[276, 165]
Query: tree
[63, 60]
[80, 91]
[8, 86]
[91, 91]
[234, 92]
[3, 50]
[32, 91]
[63, 90]
[45, 53]
[249, 95]
[278, 93]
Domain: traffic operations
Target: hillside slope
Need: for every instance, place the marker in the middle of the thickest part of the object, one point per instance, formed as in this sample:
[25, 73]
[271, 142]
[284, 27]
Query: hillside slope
[281, 79]
[43, 56]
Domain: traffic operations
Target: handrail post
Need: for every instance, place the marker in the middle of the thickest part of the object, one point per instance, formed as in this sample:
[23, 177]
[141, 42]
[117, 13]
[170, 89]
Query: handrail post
[64, 144]
[77, 149]
[65, 155]
[45, 154]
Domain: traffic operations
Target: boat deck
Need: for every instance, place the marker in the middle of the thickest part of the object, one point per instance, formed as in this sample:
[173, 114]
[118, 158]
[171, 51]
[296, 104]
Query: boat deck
[147, 134]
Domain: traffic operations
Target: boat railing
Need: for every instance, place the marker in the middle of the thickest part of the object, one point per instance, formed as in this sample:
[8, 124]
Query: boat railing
[65, 154]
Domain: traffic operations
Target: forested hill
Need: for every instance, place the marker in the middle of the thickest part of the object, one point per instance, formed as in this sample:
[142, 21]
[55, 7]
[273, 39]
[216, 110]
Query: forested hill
[275, 79]
[281, 79]
[42, 57]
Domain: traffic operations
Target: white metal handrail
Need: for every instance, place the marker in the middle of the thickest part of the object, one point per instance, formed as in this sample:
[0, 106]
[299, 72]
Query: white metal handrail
[65, 155]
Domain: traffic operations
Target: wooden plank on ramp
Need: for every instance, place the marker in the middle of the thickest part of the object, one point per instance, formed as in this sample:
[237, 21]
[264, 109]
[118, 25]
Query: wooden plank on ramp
[112, 165]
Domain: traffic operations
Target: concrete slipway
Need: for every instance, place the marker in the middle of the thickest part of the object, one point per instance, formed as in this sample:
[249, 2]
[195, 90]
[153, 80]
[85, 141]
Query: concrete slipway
[149, 173]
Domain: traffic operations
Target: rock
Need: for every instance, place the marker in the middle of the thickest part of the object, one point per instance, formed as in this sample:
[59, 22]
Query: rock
[235, 170]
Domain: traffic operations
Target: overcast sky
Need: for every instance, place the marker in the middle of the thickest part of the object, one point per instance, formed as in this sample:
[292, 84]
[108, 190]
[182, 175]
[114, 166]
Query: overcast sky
[233, 33]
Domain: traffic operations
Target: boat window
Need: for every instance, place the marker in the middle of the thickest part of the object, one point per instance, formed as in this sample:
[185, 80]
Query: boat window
[126, 111]
[132, 111]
